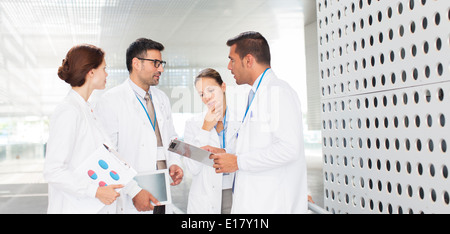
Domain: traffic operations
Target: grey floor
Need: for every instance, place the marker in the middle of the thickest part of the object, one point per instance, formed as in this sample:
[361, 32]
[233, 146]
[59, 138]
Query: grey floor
[24, 191]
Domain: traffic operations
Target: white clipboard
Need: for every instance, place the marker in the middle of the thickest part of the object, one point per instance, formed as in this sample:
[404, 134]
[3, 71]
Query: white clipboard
[157, 183]
[102, 168]
[190, 151]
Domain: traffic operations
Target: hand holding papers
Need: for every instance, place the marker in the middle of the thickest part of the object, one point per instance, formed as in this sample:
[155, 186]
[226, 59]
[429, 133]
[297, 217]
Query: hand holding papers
[102, 168]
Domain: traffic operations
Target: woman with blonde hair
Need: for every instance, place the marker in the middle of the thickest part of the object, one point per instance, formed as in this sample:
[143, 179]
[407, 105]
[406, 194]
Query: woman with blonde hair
[211, 193]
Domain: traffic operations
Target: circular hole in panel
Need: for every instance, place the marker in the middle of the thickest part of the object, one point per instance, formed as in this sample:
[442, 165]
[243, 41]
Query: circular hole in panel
[407, 144]
[415, 74]
[397, 144]
[443, 145]
[399, 189]
[389, 12]
[441, 94]
[432, 170]
[421, 193]
[408, 167]
[398, 166]
[401, 31]
[404, 76]
[413, 27]
[402, 53]
[380, 206]
[419, 169]
[429, 121]
[411, 4]
[430, 145]
[410, 191]
[428, 95]
[405, 98]
[424, 23]
[442, 120]
[416, 97]
[445, 171]
[437, 18]
[438, 44]
[414, 50]
[440, 69]
[427, 72]
[426, 47]
[433, 195]
[395, 122]
[406, 121]
[400, 8]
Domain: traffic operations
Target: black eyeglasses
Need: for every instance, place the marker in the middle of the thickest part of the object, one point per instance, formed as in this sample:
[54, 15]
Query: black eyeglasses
[155, 61]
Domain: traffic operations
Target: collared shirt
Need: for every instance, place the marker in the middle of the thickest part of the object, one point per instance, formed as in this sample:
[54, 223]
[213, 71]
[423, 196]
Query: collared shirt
[140, 93]
[252, 93]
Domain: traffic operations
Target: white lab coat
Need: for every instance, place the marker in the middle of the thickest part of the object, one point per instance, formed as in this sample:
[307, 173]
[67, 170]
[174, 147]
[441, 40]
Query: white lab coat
[272, 168]
[133, 136]
[74, 135]
[205, 195]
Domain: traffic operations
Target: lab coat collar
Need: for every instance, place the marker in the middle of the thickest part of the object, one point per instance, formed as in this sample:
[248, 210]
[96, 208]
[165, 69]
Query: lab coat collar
[138, 90]
[155, 99]
[80, 101]
[267, 77]
[255, 84]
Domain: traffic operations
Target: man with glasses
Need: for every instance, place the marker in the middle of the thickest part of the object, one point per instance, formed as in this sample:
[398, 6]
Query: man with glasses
[138, 118]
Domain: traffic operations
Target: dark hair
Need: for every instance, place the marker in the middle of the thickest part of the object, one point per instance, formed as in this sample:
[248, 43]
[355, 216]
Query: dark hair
[78, 62]
[252, 43]
[209, 73]
[139, 49]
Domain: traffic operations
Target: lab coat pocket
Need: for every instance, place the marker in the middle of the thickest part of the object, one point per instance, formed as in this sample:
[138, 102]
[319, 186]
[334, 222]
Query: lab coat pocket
[263, 190]
[260, 136]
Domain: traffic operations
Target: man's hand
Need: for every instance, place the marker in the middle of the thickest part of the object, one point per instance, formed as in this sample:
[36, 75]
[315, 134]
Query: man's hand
[176, 173]
[142, 201]
[225, 163]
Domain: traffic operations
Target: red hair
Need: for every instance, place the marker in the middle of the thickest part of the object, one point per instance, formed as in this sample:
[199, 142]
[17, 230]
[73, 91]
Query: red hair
[78, 62]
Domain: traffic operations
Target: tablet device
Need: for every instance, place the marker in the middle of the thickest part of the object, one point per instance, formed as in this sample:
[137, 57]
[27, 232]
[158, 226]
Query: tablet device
[192, 152]
[157, 183]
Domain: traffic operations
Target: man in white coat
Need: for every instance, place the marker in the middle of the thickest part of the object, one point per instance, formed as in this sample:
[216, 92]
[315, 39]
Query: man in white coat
[138, 118]
[269, 161]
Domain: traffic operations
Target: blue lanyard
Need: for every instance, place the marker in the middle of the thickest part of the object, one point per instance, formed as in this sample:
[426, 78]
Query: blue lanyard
[146, 112]
[257, 87]
[223, 131]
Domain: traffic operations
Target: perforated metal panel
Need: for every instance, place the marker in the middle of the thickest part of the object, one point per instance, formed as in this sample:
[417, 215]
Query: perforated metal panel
[385, 86]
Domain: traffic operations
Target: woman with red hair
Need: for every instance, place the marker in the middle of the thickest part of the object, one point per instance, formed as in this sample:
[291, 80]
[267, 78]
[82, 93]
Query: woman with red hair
[75, 134]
